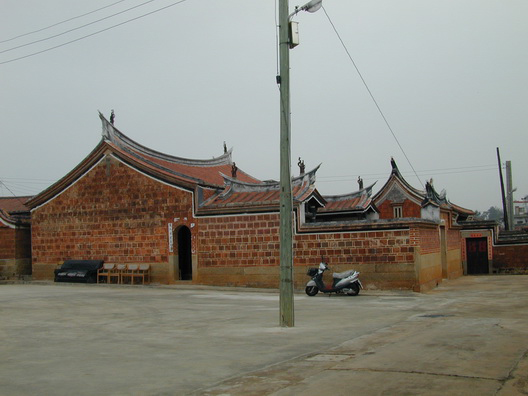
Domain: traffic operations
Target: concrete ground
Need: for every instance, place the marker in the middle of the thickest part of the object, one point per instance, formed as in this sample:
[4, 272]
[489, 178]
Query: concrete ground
[467, 337]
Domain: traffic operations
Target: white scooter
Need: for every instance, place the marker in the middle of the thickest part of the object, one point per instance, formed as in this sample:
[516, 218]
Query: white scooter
[344, 282]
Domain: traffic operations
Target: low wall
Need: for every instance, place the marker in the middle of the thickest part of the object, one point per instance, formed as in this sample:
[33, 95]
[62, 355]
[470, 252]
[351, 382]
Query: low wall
[455, 268]
[14, 268]
[428, 271]
[244, 251]
[512, 259]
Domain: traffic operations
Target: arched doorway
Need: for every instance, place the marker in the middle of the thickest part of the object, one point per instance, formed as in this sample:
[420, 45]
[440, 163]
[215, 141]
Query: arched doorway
[184, 253]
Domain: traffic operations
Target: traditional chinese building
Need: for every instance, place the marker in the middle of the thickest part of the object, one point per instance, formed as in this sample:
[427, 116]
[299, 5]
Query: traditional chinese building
[209, 222]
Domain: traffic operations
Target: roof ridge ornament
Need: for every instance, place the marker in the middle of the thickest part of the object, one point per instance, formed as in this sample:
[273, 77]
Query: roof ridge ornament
[107, 131]
[301, 166]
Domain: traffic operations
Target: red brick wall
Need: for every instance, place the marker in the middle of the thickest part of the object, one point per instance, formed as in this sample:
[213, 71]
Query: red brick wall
[113, 213]
[454, 240]
[427, 238]
[354, 248]
[239, 241]
[512, 258]
[7, 242]
[410, 209]
[254, 241]
[244, 250]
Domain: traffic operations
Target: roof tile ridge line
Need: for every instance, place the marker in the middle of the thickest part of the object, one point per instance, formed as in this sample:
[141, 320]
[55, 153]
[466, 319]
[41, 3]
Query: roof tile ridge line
[228, 191]
[233, 185]
[7, 220]
[110, 132]
[309, 193]
[247, 174]
[455, 206]
[67, 178]
[217, 194]
[396, 172]
[161, 167]
[309, 174]
[4, 214]
[316, 195]
[354, 194]
[305, 185]
[398, 178]
[417, 191]
[265, 185]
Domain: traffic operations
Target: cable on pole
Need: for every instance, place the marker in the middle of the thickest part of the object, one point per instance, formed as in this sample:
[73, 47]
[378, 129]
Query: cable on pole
[372, 96]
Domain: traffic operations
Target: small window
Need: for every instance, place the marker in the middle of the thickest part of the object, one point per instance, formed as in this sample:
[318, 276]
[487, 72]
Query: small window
[398, 212]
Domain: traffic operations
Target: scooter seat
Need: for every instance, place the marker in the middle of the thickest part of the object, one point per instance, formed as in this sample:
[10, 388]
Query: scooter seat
[341, 275]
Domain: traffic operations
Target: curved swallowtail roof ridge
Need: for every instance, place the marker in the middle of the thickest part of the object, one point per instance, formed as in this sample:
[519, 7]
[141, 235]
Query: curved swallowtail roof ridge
[366, 191]
[113, 135]
[237, 185]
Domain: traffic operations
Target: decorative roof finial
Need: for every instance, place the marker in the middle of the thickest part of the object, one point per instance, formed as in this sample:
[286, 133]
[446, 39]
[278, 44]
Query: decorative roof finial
[234, 170]
[429, 188]
[112, 117]
[301, 166]
[225, 147]
[360, 182]
[393, 163]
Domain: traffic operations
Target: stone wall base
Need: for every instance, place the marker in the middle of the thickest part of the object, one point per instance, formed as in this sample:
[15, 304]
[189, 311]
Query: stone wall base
[11, 269]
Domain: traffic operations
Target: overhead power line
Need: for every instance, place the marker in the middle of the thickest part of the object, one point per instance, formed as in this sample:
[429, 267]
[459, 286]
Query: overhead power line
[371, 95]
[374, 176]
[438, 171]
[76, 28]
[12, 193]
[94, 33]
[24, 180]
[60, 23]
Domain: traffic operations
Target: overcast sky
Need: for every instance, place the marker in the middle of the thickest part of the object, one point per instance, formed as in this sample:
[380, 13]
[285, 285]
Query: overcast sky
[451, 78]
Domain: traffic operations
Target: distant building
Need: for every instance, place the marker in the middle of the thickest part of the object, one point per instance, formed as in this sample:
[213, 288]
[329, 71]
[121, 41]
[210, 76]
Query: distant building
[520, 214]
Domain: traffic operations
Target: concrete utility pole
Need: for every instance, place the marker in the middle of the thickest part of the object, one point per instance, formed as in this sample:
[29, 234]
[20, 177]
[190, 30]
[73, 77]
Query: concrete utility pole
[509, 195]
[504, 206]
[286, 205]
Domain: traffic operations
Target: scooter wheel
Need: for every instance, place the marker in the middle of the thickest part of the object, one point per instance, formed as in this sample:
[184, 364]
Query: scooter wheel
[311, 290]
[354, 289]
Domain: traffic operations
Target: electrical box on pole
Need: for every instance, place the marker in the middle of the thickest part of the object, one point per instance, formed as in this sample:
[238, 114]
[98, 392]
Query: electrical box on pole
[294, 34]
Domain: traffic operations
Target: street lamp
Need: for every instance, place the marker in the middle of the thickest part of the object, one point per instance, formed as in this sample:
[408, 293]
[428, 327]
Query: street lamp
[286, 204]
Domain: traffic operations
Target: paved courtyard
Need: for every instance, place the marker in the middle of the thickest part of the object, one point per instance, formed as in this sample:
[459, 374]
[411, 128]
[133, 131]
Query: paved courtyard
[467, 337]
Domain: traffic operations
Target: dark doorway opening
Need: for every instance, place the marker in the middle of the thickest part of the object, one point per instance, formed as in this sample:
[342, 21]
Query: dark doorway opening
[184, 253]
[477, 256]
